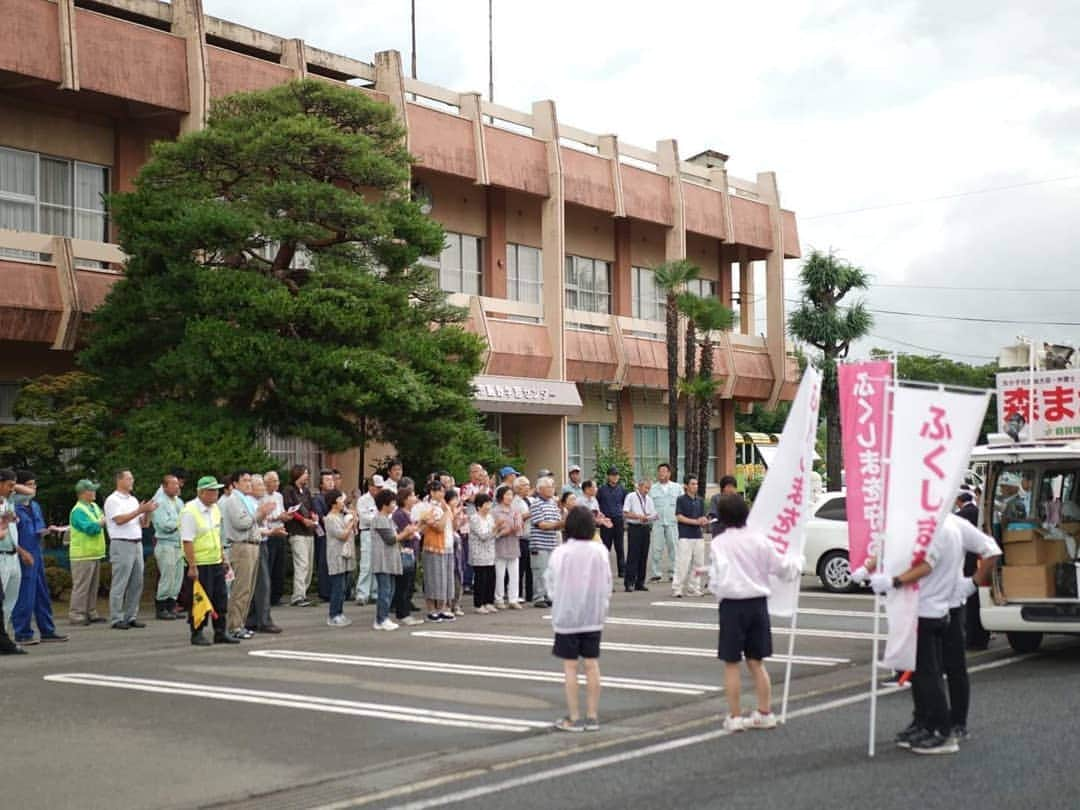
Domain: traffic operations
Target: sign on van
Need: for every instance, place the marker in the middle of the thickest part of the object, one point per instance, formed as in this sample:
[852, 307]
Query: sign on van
[1049, 409]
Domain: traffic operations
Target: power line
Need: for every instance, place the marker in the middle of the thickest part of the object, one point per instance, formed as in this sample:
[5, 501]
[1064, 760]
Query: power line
[930, 349]
[1057, 290]
[967, 318]
[942, 197]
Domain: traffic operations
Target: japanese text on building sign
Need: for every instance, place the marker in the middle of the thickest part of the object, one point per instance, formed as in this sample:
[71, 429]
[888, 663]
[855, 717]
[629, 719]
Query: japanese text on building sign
[1051, 405]
[515, 392]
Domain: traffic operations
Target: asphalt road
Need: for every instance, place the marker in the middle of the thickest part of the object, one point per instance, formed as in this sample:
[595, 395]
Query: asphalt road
[321, 716]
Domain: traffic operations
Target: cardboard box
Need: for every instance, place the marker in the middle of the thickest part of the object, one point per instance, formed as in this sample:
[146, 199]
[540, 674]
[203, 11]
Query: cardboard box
[1028, 581]
[1036, 552]
[1019, 535]
[1070, 528]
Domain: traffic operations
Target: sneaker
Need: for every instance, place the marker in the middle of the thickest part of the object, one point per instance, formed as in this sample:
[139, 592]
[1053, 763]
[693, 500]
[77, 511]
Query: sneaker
[135, 623]
[54, 637]
[341, 620]
[246, 633]
[656, 579]
[30, 641]
[733, 724]
[904, 738]
[435, 618]
[448, 616]
[592, 723]
[696, 592]
[361, 602]
[411, 621]
[458, 611]
[566, 724]
[482, 610]
[385, 624]
[199, 640]
[958, 733]
[757, 720]
[304, 602]
[516, 606]
[121, 626]
[500, 605]
[934, 742]
[676, 596]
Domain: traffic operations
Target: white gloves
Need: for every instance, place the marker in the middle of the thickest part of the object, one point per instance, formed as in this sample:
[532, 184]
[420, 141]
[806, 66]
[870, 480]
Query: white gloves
[969, 587]
[881, 583]
[860, 575]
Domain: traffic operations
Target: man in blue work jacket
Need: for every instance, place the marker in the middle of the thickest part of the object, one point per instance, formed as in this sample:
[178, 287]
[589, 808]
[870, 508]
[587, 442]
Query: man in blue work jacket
[34, 601]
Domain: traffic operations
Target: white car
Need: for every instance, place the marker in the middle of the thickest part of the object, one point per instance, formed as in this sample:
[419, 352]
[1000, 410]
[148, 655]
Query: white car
[826, 546]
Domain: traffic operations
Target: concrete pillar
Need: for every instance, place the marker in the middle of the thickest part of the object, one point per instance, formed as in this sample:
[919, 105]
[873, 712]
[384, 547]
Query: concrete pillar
[68, 329]
[608, 146]
[69, 45]
[495, 270]
[668, 164]
[189, 22]
[747, 294]
[774, 282]
[470, 104]
[390, 79]
[294, 57]
[621, 272]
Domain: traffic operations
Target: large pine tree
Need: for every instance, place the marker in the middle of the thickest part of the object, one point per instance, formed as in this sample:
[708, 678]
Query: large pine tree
[272, 284]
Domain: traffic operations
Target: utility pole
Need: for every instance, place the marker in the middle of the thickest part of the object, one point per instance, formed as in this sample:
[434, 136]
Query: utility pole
[491, 55]
[413, 38]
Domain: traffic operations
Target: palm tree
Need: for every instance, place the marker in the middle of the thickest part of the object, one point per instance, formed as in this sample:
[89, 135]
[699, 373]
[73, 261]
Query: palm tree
[711, 316]
[822, 322]
[671, 277]
[690, 305]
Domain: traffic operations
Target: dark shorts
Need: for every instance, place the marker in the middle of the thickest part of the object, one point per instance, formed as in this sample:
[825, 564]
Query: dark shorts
[744, 630]
[572, 646]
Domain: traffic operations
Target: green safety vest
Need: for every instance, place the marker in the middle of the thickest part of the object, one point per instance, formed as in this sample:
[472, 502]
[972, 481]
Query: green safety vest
[86, 546]
[208, 539]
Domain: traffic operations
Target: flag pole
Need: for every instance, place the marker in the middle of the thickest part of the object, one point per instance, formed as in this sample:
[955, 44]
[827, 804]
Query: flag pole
[790, 651]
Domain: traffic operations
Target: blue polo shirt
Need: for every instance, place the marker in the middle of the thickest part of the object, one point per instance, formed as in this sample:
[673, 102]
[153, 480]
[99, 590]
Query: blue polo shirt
[691, 508]
[611, 499]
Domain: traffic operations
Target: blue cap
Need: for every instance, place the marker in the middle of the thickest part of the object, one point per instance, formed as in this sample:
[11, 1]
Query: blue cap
[505, 471]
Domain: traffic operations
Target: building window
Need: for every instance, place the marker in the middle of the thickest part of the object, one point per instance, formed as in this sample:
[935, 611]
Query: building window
[651, 449]
[581, 442]
[50, 195]
[9, 392]
[458, 265]
[588, 284]
[650, 302]
[701, 287]
[524, 274]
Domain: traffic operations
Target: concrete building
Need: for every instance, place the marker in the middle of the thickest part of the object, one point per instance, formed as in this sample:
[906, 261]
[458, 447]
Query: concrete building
[552, 231]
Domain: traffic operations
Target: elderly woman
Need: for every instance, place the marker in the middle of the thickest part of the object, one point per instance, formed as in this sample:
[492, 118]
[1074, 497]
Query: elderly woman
[340, 554]
[508, 525]
[482, 554]
[386, 555]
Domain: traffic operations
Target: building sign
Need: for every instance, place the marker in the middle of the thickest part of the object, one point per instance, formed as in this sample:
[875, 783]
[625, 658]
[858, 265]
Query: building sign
[525, 395]
[1048, 410]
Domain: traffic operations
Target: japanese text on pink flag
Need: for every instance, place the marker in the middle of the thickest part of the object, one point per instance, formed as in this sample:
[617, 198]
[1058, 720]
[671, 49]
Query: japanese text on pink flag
[863, 389]
[783, 502]
[933, 433]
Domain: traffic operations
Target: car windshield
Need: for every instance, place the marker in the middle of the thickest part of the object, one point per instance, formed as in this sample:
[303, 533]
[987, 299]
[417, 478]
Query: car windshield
[833, 509]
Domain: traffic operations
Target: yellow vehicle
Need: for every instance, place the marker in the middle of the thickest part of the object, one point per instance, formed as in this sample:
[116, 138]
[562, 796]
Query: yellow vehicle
[748, 461]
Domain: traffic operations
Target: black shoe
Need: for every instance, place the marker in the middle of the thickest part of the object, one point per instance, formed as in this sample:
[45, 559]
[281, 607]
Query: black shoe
[641, 588]
[272, 629]
[656, 579]
[199, 640]
[904, 738]
[959, 733]
[136, 623]
[12, 649]
[54, 637]
[164, 615]
[629, 589]
[934, 742]
[225, 638]
[121, 626]
[97, 620]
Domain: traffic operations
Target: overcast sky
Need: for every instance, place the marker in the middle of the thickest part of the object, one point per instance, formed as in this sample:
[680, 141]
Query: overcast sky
[855, 104]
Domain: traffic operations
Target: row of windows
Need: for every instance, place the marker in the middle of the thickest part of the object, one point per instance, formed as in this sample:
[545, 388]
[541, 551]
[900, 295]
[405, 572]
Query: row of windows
[650, 448]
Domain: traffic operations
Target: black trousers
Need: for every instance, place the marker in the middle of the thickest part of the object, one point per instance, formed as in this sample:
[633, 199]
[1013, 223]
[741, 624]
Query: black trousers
[637, 554]
[212, 578]
[259, 613]
[276, 545]
[955, 665]
[928, 683]
[614, 537]
[403, 589]
[483, 585]
[324, 572]
[525, 582]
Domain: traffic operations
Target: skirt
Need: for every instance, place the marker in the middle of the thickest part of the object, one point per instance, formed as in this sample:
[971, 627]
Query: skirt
[438, 576]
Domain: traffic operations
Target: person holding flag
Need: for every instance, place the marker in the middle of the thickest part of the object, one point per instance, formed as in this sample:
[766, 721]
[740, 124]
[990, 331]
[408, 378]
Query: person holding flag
[200, 532]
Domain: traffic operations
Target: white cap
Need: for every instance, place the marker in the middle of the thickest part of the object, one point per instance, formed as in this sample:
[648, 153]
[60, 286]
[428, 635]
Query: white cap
[377, 481]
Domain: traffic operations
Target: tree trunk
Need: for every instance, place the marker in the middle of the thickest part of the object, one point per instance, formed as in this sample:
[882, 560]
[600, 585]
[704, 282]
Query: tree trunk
[672, 323]
[834, 463]
[690, 422]
[705, 416]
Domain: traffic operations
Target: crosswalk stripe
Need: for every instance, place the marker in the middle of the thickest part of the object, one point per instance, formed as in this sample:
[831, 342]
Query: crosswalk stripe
[407, 714]
[614, 646]
[448, 668]
[803, 611]
[801, 631]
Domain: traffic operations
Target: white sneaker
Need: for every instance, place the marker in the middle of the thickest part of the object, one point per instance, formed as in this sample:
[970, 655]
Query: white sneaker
[341, 620]
[411, 621]
[757, 720]
[386, 624]
[516, 606]
[458, 611]
[500, 606]
[733, 724]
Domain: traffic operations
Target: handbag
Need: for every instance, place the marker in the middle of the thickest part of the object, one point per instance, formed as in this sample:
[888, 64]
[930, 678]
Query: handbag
[348, 549]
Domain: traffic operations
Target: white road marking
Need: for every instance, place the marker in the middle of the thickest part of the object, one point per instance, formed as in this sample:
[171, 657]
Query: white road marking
[447, 668]
[611, 646]
[407, 714]
[802, 631]
[626, 756]
[803, 611]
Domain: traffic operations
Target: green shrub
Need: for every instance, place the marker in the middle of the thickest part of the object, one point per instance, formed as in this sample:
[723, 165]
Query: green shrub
[753, 485]
[58, 580]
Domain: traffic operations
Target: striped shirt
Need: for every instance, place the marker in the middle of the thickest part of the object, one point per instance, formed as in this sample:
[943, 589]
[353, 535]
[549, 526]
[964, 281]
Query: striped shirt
[541, 510]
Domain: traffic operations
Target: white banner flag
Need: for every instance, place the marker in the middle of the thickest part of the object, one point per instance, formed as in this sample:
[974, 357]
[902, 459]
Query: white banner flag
[783, 503]
[932, 434]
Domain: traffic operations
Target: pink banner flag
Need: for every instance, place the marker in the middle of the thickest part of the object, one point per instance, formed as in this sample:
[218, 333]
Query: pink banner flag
[863, 389]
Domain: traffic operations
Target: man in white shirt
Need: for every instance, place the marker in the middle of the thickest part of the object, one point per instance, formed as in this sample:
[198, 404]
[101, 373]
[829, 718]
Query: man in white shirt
[639, 512]
[366, 586]
[124, 518]
[665, 494]
[10, 567]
